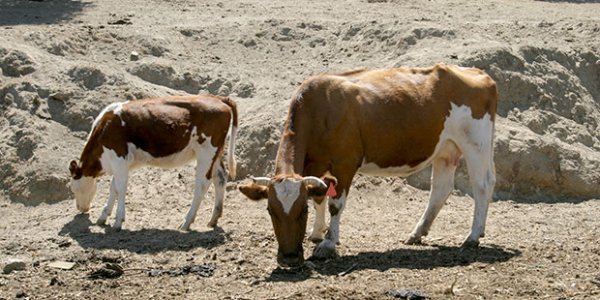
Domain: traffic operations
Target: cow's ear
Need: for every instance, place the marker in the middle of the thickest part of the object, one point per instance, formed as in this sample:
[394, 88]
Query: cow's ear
[254, 191]
[73, 168]
[330, 180]
[327, 190]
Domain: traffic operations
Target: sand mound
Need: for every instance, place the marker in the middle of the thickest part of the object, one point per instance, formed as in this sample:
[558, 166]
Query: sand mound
[54, 82]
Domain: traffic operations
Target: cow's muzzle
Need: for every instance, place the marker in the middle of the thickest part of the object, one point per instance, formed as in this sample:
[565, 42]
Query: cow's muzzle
[290, 260]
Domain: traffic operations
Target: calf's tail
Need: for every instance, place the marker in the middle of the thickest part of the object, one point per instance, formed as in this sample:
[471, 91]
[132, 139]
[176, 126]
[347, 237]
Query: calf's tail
[231, 163]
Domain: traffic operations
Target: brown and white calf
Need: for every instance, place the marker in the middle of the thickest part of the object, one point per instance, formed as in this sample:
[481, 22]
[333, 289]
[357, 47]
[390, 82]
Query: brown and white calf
[165, 132]
[391, 122]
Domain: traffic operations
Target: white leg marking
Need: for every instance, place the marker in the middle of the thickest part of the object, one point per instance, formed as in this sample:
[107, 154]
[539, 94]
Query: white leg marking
[120, 178]
[319, 227]
[326, 248]
[483, 179]
[204, 161]
[442, 182]
[110, 203]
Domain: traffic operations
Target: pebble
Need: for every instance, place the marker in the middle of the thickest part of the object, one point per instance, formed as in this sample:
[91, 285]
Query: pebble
[134, 56]
[13, 264]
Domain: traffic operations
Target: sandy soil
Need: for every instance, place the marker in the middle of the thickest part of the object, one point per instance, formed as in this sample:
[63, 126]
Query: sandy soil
[62, 61]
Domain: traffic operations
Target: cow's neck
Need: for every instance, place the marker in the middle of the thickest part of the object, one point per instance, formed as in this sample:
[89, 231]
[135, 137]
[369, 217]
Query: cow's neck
[290, 155]
[90, 158]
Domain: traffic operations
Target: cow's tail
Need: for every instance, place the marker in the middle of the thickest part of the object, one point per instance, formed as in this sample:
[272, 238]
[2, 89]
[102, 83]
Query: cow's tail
[231, 163]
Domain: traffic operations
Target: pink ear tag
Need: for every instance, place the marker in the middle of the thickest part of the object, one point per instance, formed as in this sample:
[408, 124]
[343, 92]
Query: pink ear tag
[331, 191]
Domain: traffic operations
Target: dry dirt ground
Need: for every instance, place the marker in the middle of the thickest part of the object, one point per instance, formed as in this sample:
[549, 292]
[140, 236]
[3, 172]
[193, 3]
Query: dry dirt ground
[63, 60]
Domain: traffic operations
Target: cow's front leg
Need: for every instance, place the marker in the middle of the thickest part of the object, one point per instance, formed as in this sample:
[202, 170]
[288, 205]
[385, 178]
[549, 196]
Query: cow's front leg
[319, 227]
[110, 203]
[326, 249]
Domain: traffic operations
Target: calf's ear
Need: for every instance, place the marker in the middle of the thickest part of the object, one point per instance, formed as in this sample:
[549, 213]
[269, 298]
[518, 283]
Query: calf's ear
[254, 191]
[73, 168]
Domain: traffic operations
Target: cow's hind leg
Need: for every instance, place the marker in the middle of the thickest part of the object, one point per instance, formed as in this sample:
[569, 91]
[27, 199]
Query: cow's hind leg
[442, 182]
[110, 203]
[219, 181]
[480, 164]
[204, 159]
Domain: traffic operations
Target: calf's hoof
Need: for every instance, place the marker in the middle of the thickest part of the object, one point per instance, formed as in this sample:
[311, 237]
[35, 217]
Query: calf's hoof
[184, 227]
[470, 244]
[413, 240]
[325, 249]
[212, 224]
[101, 222]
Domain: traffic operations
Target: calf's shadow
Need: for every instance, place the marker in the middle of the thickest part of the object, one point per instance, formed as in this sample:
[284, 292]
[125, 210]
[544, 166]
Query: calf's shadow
[140, 241]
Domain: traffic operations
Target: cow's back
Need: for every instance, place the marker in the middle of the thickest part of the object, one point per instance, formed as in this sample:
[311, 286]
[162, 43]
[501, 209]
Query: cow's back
[392, 117]
[162, 126]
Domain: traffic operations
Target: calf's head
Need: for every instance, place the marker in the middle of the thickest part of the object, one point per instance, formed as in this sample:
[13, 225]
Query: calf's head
[83, 187]
[288, 206]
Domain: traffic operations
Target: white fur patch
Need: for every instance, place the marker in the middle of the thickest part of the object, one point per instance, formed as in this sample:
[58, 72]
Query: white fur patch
[84, 190]
[116, 108]
[459, 127]
[287, 192]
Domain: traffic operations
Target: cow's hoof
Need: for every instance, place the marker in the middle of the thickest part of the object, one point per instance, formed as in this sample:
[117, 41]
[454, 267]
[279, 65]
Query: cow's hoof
[101, 222]
[413, 240]
[315, 239]
[116, 228]
[324, 250]
[212, 224]
[470, 244]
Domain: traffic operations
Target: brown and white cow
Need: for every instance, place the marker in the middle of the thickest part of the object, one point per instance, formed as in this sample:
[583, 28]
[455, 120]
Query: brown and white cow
[391, 122]
[164, 132]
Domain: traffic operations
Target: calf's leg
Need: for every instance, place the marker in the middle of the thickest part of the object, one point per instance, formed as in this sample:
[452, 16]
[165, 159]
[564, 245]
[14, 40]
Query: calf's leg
[204, 160]
[110, 203]
[219, 181]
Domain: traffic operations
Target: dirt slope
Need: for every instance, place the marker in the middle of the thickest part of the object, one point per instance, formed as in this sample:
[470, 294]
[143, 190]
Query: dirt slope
[62, 61]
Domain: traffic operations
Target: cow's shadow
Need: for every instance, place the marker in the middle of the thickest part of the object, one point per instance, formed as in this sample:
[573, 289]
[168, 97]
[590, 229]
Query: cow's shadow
[140, 241]
[407, 258]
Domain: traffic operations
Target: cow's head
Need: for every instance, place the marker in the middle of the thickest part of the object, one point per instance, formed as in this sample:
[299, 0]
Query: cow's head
[84, 187]
[288, 206]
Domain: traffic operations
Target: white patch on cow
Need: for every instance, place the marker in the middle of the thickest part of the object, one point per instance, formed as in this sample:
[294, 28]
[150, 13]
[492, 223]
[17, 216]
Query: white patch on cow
[288, 191]
[116, 108]
[84, 190]
[459, 127]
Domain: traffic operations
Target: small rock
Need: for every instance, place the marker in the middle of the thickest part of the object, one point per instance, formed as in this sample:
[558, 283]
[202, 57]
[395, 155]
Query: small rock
[14, 264]
[409, 294]
[598, 62]
[20, 294]
[64, 265]
[55, 281]
[61, 96]
[134, 56]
